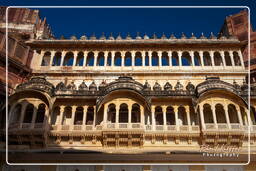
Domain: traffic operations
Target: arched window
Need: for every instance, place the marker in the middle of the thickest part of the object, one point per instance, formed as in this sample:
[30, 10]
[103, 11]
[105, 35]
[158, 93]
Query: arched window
[136, 115]
[79, 116]
[227, 59]
[80, 59]
[68, 59]
[128, 59]
[182, 116]
[244, 116]
[138, 59]
[67, 116]
[90, 116]
[155, 59]
[40, 113]
[118, 59]
[207, 59]
[175, 59]
[46, 59]
[197, 59]
[220, 114]
[109, 59]
[165, 59]
[112, 113]
[236, 59]
[16, 114]
[170, 116]
[208, 117]
[159, 115]
[186, 59]
[101, 59]
[146, 59]
[28, 113]
[123, 113]
[55, 115]
[90, 59]
[217, 59]
[232, 113]
[57, 59]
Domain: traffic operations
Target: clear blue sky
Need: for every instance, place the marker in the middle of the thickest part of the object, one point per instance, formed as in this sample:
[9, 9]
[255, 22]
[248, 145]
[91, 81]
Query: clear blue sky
[77, 22]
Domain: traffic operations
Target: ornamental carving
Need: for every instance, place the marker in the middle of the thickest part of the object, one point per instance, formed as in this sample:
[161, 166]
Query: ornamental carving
[83, 86]
[157, 87]
[167, 86]
[178, 86]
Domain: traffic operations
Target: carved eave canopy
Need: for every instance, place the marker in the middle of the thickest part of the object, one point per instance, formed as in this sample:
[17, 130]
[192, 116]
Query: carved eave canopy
[37, 83]
[138, 43]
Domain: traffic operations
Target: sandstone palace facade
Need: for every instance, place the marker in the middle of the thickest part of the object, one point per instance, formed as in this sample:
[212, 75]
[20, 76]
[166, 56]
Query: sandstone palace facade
[133, 100]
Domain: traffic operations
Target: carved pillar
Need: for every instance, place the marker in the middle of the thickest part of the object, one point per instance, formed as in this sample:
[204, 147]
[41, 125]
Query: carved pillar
[179, 55]
[175, 108]
[214, 116]
[212, 59]
[63, 54]
[123, 59]
[96, 53]
[241, 58]
[129, 115]
[150, 58]
[223, 58]
[117, 114]
[227, 115]
[34, 115]
[85, 58]
[23, 108]
[202, 116]
[73, 115]
[133, 58]
[105, 58]
[112, 58]
[164, 108]
[170, 58]
[142, 116]
[85, 115]
[143, 55]
[159, 54]
[153, 117]
[201, 54]
[52, 56]
[62, 108]
[105, 114]
[75, 57]
[94, 116]
[232, 58]
[188, 115]
[191, 53]
[239, 115]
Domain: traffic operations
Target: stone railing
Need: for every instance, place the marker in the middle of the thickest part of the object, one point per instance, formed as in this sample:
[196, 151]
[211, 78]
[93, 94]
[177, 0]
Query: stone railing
[224, 127]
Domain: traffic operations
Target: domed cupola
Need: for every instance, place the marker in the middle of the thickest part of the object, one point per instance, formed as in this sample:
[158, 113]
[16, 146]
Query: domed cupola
[178, 86]
[146, 86]
[83, 86]
[93, 86]
[60, 86]
[167, 86]
[157, 87]
[71, 86]
[190, 87]
[102, 85]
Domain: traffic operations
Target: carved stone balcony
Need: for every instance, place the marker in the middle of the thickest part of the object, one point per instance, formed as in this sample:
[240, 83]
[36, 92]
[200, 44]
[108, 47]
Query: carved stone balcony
[223, 127]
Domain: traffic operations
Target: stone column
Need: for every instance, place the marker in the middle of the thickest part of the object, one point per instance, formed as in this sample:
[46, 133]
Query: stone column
[75, 57]
[142, 116]
[105, 114]
[34, 115]
[201, 54]
[85, 115]
[164, 108]
[62, 108]
[212, 59]
[96, 53]
[129, 115]
[223, 58]
[150, 58]
[170, 58]
[176, 117]
[85, 58]
[153, 117]
[180, 61]
[188, 116]
[52, 56]
[214, 116]
[232, 58]
[105, 58]
[23, 108]
[191, 53]
[227, 115]
[143, 55]
[241, 58]
[112, 58]
[63, 54]
[73, 115]
[122, 59]
[202, 116]
[239, 115]
[159, 54]
[94, 116]
[117, 115]
[133, 58]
